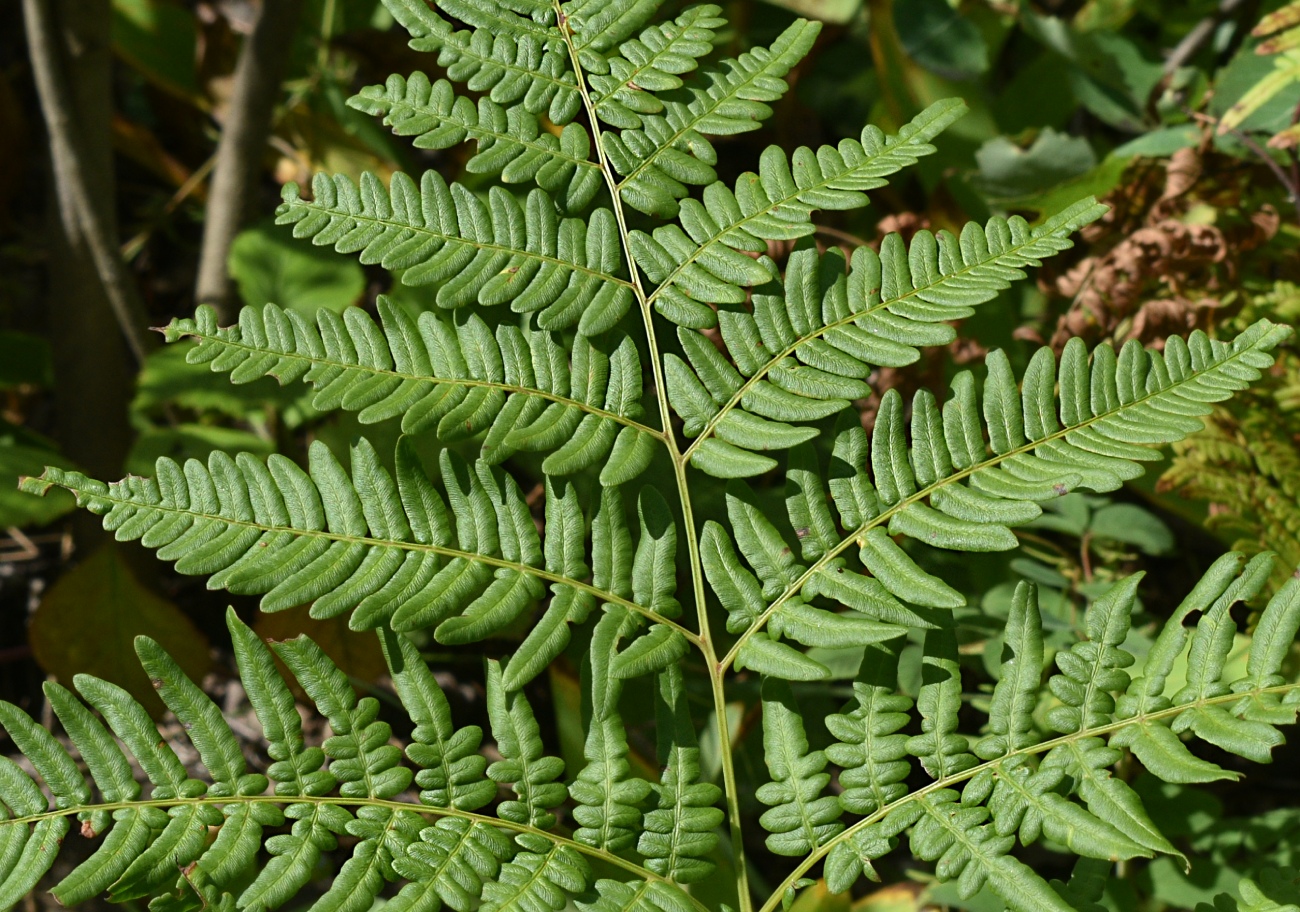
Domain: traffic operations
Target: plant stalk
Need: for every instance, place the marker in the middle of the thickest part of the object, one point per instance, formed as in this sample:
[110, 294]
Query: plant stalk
[240, 149]
[705, 640]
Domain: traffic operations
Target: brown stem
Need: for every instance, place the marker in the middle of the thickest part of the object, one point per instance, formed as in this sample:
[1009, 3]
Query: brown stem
[90, 207]
[239, 151]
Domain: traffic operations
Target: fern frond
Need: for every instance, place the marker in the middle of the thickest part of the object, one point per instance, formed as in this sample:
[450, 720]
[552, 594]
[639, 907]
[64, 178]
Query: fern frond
[942, 752]
[543, 875]
[703, 261]
[453, 773]
[162, 847]
[463, 555]
[648, 896]
[453, 862]
[668, 151]
[812, 340]
[529, 65]
[1016, 693]
[869, 749]
[1110, 414]
[378, 545]
[488, 253]
[598, 25]
[525, 768]
[969, 851]
[625, 85]
[510, 140]
[451, 375]
[1031, 782]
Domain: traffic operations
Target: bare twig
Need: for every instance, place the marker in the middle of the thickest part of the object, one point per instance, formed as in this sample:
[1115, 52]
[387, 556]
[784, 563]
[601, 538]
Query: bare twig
[133, 247]
[243, 139]
[1200, 35]
[1285, 179]
[68, 153]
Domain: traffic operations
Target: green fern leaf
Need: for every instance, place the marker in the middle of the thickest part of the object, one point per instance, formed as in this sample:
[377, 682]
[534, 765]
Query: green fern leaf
[361, 758]
[799, 817]
[453, 773]
[1016, 693]
[1093, 669]
[542, 876]
[485, 253]
[680, 833]
[702, 262]
[869, 749]
[812, 339]
[526, 65]
[272, 528]
[549, 395]
[942, 751]
[31, 852]
[608, 797]
[451, 863]
[183, 829]
[647, 896]
[128, 830]
[1026, 801]
[625, 85]
[524, 767]
[1253, 739]
[971, 853]
[1105, 426]
[1159, 749]
[851, 857]
[510, 140]
[658, 160]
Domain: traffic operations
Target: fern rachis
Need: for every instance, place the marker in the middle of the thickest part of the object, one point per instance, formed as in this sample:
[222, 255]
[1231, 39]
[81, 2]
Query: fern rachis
[599, 354]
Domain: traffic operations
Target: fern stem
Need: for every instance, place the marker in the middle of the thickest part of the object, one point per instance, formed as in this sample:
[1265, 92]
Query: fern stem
[450, 381]
[635, 276]
[885, 515]
[992, 765]
[704, 641]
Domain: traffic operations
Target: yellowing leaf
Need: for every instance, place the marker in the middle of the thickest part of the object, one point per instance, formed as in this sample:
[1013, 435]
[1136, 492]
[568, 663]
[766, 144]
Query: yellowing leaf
[88, 621]
[357, 654]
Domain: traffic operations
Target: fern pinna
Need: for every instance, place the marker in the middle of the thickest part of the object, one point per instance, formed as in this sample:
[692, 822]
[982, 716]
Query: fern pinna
[604, 327]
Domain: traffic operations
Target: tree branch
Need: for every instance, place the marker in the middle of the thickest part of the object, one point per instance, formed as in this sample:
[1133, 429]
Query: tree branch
[239, 152]
[68, 153]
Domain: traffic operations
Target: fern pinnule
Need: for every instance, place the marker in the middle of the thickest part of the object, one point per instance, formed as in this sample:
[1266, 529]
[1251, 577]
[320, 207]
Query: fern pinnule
[454, 376]
[453, 772]
[523, 766]
[1059, 786]
[510, 140]
[680, 832]
[799, 817]
[609, 798]
[568, 271]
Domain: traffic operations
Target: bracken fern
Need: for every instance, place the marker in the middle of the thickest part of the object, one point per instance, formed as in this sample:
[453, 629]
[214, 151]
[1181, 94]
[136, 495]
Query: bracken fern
[604, 314]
